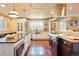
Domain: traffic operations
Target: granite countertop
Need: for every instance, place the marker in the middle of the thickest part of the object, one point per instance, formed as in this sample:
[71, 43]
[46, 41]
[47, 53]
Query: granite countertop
[13, 39]
[70, 38]
[9, 40]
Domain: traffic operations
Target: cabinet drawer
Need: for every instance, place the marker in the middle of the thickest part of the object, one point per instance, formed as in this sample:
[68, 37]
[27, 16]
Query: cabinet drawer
[67, 48]
[68, 44]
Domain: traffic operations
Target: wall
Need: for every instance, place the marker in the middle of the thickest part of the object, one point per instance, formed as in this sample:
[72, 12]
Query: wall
[72, 9]
[11, 23]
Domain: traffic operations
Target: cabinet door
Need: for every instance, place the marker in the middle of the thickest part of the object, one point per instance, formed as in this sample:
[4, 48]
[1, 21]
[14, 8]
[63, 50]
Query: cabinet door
[66, 48]
[66, 51]
[62, 25]
[27, 40]
[51, 42]
[53, 26]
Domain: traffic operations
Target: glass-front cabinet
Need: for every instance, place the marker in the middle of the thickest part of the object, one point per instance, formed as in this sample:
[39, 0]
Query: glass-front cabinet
[21, 27]
[53, 25]
[58, 25]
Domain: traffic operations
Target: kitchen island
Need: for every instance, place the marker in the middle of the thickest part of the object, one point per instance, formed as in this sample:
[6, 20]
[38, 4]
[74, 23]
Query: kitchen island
[69, 44]
[64, 44]
[14, 46]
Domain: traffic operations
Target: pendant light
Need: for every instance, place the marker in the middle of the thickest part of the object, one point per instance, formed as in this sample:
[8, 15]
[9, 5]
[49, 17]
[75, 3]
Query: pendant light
[13, 13]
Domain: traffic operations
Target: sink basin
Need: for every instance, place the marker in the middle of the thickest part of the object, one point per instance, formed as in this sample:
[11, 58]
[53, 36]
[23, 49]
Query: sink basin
[75, 39]
[2, 35]
[2, 39]
[61, 34]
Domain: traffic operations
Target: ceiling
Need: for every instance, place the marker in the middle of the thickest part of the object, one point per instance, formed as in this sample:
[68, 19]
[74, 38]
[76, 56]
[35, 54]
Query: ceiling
[33, 10]
[39, 10]
[74, 11]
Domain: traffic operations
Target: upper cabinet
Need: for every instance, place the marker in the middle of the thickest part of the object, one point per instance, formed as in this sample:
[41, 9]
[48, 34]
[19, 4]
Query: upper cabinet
[53, 25]
[62, 24]
[46, 25]
[21, 25]
[58, 25]
[73, 23]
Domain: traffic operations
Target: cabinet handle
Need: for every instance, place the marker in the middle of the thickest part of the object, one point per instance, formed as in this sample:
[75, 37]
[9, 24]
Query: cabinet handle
[64, 42]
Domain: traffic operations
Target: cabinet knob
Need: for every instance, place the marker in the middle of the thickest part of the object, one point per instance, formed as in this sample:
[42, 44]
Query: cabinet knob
[64, 42]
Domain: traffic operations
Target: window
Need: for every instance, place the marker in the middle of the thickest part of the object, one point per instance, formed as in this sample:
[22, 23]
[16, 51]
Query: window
[3, 24]
[37, 25]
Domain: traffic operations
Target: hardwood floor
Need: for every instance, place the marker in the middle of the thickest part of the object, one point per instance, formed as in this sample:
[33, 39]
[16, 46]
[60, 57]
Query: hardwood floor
[43, 47]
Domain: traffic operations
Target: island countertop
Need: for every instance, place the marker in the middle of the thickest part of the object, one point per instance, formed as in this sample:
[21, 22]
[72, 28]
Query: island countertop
[70, 38]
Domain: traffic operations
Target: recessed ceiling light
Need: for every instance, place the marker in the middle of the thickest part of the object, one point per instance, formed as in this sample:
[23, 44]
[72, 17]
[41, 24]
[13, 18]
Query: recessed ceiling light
[2, 5]
[70, 8]
[52, 12]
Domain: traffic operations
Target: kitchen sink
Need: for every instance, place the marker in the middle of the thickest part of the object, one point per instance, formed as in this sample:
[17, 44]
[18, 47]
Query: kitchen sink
[2, 35]
[2, 39]
[75, 39]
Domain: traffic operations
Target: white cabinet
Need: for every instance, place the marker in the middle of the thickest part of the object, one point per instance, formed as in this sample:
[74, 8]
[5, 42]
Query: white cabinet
[27, 40]
[62, 24]
[53, 25]
[9, 49]
[21, 27]
[58, 25]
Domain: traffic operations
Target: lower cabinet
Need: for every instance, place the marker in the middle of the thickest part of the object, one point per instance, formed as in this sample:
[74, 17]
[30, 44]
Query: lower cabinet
[66, 51]
[63, 47]
[18, 48]
[53, 45]
[68, 48]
